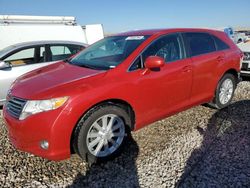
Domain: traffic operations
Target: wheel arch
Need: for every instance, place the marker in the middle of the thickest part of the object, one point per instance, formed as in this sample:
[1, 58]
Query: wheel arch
[118, 102]
[233, 72]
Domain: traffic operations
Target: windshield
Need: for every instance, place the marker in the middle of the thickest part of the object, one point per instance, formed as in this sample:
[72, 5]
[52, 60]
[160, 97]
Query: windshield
[108, 52]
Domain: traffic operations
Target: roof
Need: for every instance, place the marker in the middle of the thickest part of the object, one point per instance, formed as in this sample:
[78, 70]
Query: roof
[164, 31]
[31, 43]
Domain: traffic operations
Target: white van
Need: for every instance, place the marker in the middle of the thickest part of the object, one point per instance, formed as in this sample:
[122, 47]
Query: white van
[18, 29]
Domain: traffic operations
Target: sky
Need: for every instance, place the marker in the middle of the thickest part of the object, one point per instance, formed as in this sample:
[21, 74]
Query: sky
[120, 16]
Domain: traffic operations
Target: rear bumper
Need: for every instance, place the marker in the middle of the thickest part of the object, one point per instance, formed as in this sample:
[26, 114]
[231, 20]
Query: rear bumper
[52, 126]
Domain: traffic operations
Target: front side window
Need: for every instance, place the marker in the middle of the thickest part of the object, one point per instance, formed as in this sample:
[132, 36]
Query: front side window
[22, 57]
[200, 43]
[167, 47]
[108, 52]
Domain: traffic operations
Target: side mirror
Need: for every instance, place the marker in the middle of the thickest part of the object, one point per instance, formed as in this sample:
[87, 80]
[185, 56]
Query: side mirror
[4, 65]
[154, 62]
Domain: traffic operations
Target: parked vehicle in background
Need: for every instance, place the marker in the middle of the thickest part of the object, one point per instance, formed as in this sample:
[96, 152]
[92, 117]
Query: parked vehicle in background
[24, 57]
[245, 67]
[90, 103]
[237, 37]
[18, 29]
[246, 32]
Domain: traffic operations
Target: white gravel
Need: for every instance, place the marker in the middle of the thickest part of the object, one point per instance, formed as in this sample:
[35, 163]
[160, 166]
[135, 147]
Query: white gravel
[200, 147]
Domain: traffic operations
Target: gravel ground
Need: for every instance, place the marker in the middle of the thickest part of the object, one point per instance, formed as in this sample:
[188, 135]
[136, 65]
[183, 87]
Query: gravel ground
[200, 147]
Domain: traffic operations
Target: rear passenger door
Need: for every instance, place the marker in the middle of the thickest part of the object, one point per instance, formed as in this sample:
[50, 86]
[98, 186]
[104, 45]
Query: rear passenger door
[205, 59]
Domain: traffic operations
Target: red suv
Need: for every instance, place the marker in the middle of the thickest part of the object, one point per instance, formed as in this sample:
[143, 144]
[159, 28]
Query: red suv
[90, 103]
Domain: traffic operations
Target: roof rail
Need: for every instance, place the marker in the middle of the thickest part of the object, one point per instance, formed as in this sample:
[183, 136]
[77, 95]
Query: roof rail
[20, 19]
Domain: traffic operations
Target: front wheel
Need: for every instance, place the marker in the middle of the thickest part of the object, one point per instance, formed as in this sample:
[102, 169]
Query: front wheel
[224, 91]
[101, 133]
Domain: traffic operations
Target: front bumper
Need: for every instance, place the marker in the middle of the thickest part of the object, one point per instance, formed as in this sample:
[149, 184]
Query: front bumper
[53, 126]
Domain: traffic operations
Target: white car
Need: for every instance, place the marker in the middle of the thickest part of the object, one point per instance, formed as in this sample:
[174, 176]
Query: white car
[245, 67]
[21, 58]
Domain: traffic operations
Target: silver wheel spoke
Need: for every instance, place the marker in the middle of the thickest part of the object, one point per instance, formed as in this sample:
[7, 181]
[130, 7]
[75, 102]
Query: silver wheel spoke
[111, 121]
[106, 147]
[105, 135]
[113, 142]
[99, 147]
[94, 142]
[117, 126]
[104, 122]
[97, 126]
[118, 134]
[93, 135]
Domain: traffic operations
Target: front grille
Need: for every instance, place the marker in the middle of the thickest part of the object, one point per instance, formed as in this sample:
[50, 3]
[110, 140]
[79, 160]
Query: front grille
[15, 106]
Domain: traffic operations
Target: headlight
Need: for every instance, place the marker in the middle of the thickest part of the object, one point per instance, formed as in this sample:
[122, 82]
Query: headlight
[37, 106]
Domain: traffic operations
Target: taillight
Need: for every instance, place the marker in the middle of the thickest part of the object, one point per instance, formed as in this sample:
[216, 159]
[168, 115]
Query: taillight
[241, 58]
[241, 55]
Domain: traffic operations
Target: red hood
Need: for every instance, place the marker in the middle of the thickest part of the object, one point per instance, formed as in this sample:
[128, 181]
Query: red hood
[47, 81]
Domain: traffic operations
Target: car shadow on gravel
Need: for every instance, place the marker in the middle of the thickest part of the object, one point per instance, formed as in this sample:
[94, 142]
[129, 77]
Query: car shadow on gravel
[223, 159]
[119, 172]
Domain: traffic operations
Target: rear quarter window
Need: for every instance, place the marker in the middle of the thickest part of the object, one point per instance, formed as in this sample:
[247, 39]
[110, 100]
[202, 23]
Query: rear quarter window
[220, 45]
[200, 43]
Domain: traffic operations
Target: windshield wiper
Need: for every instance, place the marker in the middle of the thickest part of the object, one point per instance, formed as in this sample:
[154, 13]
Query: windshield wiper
[67, 60]
[87, 66]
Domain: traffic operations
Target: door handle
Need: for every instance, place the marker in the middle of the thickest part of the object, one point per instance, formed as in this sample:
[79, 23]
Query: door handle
[187, 69]
[220, 58]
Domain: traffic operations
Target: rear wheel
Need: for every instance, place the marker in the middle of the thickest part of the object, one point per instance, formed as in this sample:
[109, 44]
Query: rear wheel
[225, 91]
[101, 133]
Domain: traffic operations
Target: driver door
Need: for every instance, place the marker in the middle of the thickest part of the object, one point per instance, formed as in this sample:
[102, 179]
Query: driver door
[164, 91]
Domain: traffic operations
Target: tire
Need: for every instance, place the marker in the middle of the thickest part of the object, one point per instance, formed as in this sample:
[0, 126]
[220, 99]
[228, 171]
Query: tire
[92, 142]
[224, 91]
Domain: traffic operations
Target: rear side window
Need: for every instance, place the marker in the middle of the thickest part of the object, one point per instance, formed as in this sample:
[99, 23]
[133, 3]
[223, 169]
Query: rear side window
[220, 45]
[59, 52]
[200, 43]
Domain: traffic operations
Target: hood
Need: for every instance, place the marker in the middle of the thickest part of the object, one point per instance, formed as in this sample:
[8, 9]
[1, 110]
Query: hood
[50, 80]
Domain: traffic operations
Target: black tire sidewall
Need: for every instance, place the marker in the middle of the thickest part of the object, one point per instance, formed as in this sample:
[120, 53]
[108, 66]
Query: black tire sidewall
[88, 120]
[217, 102]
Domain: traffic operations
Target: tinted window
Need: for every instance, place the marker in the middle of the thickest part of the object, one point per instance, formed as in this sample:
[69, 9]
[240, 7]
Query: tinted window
[220, 45]
[200, 43]
[167, 47]
[136, 65]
